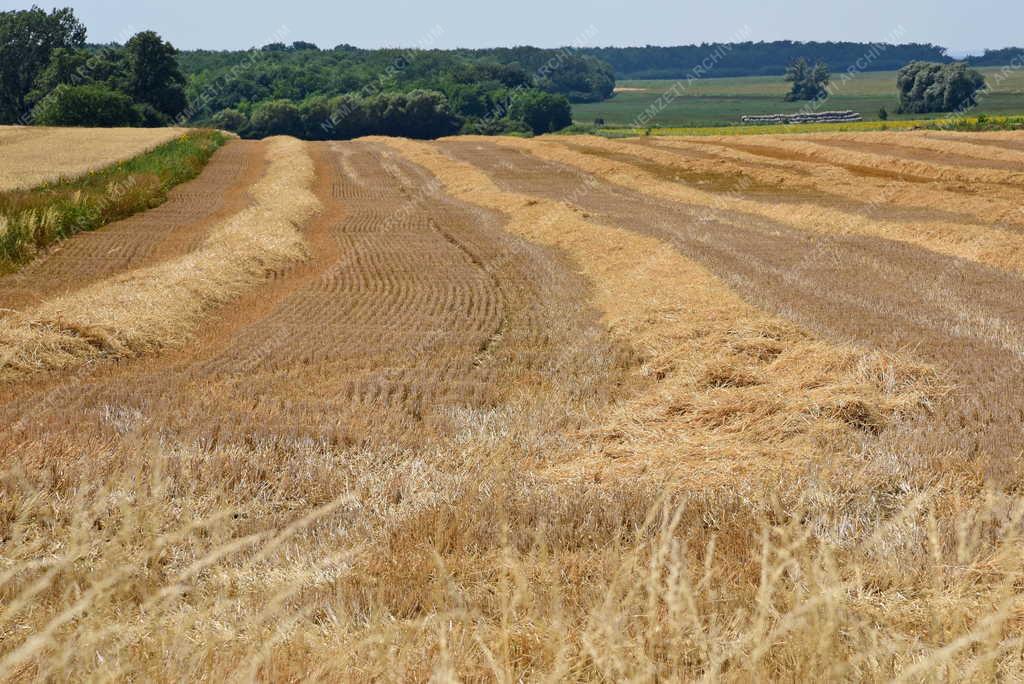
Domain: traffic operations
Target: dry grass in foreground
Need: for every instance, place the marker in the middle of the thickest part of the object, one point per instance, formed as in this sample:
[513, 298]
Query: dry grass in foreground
[36, 155]
[160, 306]
[370, 566]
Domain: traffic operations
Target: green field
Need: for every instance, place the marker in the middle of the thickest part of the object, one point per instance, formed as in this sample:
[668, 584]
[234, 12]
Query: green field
[722, 101]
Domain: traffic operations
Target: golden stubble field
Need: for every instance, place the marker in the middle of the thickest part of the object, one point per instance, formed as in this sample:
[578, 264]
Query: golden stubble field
[33, 155]
[553, 409]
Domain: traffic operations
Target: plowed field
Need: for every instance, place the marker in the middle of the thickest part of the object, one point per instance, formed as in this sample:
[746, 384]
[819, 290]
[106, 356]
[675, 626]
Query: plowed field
[564, 408]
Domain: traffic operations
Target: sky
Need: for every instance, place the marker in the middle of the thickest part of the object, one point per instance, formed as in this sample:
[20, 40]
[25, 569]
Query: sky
[960, 25]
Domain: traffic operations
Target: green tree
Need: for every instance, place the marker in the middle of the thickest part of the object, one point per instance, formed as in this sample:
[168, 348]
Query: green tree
[426, 115]
[316, 112]
[932, 87]
[470, 99]
[276, 117]
[542, 112]
[76, 66]
[87, 105]
[809, 82]
[231, 120]
[27, 41]
[153, 74]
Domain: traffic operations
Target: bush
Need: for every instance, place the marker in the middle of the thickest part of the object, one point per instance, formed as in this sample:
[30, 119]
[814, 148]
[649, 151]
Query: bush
[347, 119]
[495, 127]
[230, 120]
[314, 113]
[87, 105]
[150, 117]
[276, 117]
[542, 112]
[424, 114]
[931, 87]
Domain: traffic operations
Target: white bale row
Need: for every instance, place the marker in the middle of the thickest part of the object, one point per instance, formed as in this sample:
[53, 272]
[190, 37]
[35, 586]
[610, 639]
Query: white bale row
[803, 117]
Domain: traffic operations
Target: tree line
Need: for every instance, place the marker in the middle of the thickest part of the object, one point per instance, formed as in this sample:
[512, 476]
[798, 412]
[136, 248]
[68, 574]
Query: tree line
[770, 58]
[49, 75]
[374, 91]
[423, 114]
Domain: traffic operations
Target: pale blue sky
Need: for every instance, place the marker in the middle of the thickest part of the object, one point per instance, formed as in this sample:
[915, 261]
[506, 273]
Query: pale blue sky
[957, 24]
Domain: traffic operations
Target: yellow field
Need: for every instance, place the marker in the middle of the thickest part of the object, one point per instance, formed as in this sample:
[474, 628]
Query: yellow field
[34, 155]
[566, 408]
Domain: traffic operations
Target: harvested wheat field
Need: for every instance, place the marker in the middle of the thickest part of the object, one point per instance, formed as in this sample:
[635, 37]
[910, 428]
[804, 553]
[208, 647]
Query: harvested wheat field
[553, 409]
[35, 155]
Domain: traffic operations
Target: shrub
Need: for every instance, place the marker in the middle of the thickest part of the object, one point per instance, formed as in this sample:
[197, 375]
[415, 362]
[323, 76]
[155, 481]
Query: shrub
[87, 105]
[149, 116]
[425, 114]
[315, 112]
[495, 127]
[276, 117]
[230, 120]
[542, 112]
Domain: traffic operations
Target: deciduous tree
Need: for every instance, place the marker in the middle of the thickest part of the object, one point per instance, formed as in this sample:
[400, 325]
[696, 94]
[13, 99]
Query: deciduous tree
[28, 39]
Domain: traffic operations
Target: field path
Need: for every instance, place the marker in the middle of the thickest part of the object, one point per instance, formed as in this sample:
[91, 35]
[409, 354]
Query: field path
[884, 294]
[176, 227]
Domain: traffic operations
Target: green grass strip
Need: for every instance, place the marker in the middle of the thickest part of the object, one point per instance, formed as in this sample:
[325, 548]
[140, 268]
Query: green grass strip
[37, 218]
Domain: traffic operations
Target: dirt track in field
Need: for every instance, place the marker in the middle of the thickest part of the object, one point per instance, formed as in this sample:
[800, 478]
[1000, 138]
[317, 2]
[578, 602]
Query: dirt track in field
[174, 228]
[962, 316]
